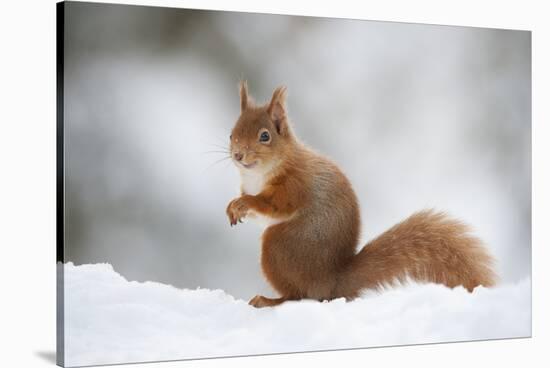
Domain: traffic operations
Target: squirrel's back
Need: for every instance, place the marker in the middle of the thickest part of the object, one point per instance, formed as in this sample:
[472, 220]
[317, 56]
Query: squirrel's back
[313, 246]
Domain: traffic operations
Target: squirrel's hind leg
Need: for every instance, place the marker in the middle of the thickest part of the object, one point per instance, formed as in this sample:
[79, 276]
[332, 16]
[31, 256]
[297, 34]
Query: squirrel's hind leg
[260, 301]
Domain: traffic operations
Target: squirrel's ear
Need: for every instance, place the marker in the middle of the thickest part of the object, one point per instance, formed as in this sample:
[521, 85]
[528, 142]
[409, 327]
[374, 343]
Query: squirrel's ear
[276, 109]
[243, 90]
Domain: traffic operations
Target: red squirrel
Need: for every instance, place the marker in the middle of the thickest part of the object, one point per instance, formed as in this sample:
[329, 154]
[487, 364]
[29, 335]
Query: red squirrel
[313, 221]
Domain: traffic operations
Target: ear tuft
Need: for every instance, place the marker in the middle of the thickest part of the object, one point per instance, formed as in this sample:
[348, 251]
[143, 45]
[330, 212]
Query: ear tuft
[277, 110]
[243, 91]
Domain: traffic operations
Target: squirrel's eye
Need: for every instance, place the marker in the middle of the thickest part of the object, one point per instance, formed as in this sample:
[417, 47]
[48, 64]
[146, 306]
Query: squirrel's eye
[264, 137]
[230, 136]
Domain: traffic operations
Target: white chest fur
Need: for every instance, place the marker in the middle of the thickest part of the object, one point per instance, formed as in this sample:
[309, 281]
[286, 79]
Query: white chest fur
[253, 183]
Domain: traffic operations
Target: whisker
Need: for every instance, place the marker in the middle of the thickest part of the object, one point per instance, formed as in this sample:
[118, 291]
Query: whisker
[217, 145]
[226, 163]
[208, 152]
[217, 162]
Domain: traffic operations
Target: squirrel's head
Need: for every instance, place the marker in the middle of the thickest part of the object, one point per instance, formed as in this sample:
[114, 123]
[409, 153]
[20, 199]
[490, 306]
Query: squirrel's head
[262, 135]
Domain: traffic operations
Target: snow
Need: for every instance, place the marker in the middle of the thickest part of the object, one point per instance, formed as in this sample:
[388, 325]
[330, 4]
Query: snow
[111, 320]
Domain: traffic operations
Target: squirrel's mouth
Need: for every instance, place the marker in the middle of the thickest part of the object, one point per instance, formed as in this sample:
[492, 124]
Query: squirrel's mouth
[248, 166]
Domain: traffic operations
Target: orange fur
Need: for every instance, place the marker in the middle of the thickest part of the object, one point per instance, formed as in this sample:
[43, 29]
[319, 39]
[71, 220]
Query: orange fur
[309, 247]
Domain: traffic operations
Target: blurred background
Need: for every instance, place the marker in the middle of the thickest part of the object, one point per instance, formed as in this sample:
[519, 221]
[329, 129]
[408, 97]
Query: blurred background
[416, 115]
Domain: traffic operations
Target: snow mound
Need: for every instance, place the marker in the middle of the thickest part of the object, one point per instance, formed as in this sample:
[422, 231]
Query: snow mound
[111, 320]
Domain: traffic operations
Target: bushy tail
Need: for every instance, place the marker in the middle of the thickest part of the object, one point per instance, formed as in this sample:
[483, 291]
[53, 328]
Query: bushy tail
[427, 247]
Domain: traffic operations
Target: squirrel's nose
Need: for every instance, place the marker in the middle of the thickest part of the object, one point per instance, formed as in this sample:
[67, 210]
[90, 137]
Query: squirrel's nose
[238, 156]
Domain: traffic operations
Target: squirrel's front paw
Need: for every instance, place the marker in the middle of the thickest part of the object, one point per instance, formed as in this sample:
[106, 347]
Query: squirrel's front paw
[236, 210]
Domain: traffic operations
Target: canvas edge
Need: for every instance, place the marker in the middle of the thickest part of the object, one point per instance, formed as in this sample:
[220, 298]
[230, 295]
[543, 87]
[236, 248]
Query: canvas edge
[60, 185]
